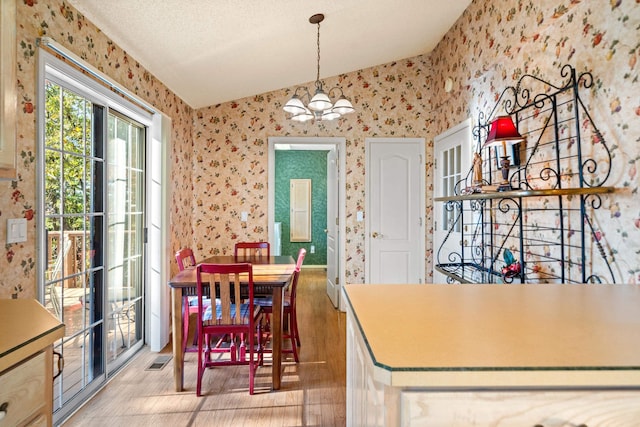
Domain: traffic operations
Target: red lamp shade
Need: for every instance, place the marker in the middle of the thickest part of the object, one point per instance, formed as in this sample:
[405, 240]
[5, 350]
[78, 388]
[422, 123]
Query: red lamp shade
[503, 131]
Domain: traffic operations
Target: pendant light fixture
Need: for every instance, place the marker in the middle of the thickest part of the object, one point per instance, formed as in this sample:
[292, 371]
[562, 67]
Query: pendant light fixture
[320, 106]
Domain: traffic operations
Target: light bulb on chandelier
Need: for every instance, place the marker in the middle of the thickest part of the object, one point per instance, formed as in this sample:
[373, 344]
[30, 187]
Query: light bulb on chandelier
[320, 106]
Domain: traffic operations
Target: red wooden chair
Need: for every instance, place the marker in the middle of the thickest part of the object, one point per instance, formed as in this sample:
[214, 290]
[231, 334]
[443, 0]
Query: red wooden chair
[228, 317]
[251, 249]
[185, 258]
[289, 308]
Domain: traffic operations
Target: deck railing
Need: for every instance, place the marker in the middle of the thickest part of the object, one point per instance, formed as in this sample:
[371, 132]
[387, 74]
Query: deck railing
[65, 257]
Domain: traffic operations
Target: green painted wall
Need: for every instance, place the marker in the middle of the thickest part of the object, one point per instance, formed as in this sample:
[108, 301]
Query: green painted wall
[303, 165]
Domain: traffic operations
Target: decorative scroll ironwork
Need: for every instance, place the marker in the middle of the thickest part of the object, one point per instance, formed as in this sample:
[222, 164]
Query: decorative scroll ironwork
[558, 174]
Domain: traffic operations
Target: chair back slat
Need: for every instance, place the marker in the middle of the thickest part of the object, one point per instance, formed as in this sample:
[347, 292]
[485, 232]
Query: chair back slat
[252, 249]
[225, 297]
[237, 292]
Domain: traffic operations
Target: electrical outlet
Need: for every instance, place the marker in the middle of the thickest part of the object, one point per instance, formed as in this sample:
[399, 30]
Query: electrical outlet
[312, 249]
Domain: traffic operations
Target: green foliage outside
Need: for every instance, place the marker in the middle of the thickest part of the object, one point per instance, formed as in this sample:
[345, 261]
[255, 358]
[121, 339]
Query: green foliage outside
[68, 124]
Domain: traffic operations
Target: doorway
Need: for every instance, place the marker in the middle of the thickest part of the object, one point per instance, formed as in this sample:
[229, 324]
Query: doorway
[452, 159]
[335, 235]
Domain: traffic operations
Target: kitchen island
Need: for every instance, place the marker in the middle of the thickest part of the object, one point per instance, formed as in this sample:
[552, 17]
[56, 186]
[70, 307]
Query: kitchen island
[493, 355]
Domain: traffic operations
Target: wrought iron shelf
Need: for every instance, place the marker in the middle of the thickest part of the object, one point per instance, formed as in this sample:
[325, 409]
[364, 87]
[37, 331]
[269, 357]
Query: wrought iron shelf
[528, 193]
[475, 273]
[547, 229]
[466, 272]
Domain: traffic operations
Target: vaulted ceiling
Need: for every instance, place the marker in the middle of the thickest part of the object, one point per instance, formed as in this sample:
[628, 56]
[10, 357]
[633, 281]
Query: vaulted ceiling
[213, 51]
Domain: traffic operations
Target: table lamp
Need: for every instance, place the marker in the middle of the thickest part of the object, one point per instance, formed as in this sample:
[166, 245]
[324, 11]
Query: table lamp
[503, 132]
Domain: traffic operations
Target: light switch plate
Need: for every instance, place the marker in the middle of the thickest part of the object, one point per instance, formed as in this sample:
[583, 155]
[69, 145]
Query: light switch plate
[359, 216]
[16, 230]
[244, 216]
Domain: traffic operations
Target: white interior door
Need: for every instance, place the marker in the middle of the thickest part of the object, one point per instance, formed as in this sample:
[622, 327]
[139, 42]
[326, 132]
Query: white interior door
[452, 154]
[395, 210]
[333, 281]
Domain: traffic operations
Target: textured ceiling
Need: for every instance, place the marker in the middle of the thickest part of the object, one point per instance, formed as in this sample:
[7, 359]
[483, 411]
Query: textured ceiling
[213, 51]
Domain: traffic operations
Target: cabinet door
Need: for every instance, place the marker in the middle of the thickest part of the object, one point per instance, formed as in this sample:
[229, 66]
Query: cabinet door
[23, 388]
[520, 408]
[365, 395]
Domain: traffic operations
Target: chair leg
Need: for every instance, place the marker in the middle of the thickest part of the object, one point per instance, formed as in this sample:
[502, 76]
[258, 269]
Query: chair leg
[258, 348]
[232, 348]
[292, 337]
[200, 367]
[242, 351]
[294, 327]
[185, 323]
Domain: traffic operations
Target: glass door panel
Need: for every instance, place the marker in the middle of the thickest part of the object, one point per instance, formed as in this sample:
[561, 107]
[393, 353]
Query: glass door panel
[72, 173]
[94, 225]
[125, 234]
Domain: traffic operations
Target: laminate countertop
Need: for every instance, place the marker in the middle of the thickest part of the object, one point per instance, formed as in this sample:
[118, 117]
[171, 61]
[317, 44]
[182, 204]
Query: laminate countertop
[474, 335]
[26, 327]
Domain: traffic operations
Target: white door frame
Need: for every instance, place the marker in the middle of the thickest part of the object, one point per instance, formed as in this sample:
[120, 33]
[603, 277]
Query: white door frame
[367, 238]
[313, 143]
[158, 250]
[333, 264]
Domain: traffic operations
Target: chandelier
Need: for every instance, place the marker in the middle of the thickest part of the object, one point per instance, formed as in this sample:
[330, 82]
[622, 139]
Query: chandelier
[320, 106]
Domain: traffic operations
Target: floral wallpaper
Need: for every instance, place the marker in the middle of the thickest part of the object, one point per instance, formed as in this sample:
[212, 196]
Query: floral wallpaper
[219, 153]
[61, 22]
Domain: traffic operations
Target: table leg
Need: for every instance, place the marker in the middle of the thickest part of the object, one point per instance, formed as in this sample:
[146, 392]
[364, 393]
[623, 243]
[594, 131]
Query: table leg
[178, 355]
[276, 330]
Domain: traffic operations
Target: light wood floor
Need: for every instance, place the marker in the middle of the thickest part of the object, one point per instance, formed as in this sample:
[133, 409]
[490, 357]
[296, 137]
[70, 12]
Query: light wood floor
[312, 393]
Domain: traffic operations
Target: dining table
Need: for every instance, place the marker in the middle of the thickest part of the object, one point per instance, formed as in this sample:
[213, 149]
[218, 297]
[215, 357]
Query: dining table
[271, 276]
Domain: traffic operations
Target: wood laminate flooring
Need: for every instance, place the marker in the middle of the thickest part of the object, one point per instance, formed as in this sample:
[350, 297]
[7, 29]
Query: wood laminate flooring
[312, 393]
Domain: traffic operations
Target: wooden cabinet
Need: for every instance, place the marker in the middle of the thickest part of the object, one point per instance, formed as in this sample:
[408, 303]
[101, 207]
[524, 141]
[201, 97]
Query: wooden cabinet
[26, 363]
[492, 355]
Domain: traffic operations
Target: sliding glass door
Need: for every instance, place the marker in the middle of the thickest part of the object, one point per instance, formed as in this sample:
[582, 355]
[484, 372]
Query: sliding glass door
[125, 235]
[93, 233]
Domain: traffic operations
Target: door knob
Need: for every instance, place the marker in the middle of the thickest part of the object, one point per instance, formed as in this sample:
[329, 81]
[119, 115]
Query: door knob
[375, 235]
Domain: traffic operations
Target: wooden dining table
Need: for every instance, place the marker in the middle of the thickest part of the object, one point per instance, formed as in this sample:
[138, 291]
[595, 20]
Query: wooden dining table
[271, 276]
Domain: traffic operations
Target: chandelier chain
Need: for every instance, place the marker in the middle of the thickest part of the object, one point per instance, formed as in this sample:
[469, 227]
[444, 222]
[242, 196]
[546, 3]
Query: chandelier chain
[318, 43]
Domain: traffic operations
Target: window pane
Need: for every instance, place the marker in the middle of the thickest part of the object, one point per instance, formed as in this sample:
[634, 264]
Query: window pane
[73, 182]
[95, 178]
[75, 124]
[52, 127]
[52, 196]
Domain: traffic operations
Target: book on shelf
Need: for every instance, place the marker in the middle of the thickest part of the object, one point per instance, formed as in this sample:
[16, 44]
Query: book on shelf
[489, 188]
